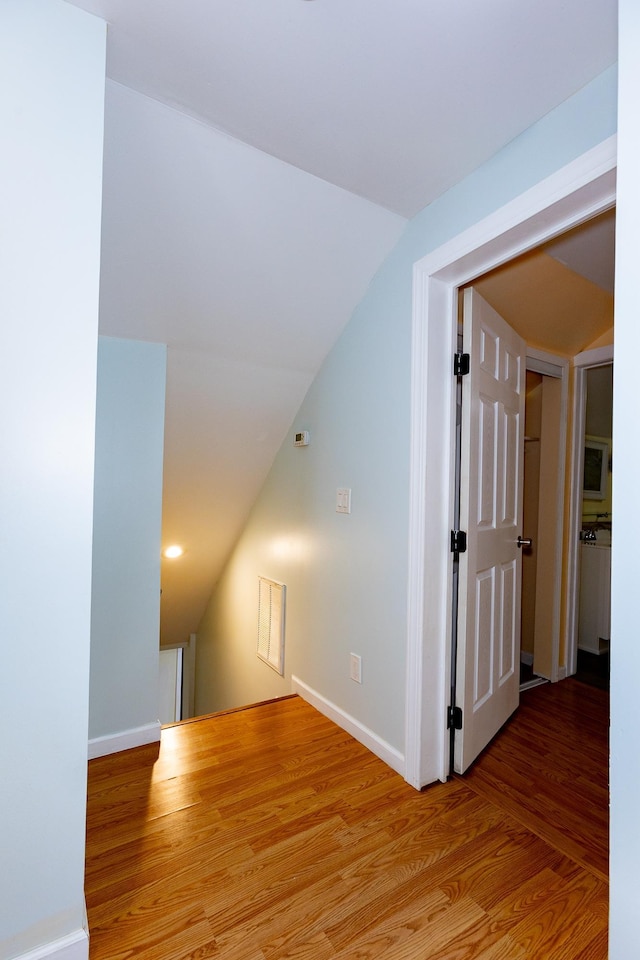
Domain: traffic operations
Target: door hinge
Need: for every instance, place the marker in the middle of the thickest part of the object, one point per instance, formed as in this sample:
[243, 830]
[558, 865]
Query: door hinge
[454, 718]
[458, 542]
[461, 364]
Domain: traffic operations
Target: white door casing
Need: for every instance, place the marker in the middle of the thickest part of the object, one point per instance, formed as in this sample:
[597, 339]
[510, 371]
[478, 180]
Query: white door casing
[492, 461]
[577, 192]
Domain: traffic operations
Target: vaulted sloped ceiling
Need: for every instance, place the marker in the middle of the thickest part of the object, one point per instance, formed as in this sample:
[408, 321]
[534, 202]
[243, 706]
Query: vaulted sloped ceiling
[248, 258]
[559, 297]
[248, 269]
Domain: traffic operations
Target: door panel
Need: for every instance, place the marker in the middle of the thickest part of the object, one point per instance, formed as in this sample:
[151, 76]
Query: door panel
[491, 513]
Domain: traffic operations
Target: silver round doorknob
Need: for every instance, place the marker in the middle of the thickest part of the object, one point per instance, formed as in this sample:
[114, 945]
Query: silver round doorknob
[524, 542]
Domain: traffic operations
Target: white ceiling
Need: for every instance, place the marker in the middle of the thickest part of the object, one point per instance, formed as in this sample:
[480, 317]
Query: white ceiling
[249, 262]
[394, 100]
[559, 297]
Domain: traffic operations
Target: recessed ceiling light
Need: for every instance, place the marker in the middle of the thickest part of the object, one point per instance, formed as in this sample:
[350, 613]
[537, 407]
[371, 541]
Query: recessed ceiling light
[173, 551]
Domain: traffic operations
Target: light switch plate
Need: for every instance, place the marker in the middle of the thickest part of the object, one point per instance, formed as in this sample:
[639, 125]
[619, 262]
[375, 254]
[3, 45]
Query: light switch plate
[343, 500]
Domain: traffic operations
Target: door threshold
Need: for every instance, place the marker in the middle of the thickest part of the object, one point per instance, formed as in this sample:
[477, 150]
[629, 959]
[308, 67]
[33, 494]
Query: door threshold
[535, 682]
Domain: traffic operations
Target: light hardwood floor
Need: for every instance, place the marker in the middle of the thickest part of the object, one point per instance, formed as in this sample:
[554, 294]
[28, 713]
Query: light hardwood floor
[269, 833]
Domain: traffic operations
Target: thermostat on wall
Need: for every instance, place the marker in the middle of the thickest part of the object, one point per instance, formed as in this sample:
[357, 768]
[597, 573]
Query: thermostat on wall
[301, 439]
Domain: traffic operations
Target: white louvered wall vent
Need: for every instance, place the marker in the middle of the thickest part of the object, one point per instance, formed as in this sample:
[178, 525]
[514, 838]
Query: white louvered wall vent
[271, 603]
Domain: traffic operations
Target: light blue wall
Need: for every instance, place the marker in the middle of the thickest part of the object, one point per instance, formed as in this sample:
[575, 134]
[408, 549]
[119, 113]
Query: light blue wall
[624, 930]
[347, 575]
[125, 608]
[52, 59]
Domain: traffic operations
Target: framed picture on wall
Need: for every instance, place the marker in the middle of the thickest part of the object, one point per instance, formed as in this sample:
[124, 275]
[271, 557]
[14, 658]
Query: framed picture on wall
[596, 469]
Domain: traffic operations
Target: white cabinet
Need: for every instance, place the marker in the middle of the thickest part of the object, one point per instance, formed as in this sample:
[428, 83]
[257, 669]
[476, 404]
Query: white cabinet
[594, 624]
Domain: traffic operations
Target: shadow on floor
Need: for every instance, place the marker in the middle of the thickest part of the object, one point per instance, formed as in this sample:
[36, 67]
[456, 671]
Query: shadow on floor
[593, 668]
[528, 678]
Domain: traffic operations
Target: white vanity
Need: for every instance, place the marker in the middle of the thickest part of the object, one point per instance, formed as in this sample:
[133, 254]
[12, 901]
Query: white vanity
[594, 623]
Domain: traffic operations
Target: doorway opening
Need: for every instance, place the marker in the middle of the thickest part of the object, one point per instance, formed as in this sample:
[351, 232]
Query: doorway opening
[543, 511]
[525, 436]
[574, 195]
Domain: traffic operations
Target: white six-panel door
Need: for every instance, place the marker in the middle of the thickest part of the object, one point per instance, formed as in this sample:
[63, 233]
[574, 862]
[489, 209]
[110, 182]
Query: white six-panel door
[492, 460]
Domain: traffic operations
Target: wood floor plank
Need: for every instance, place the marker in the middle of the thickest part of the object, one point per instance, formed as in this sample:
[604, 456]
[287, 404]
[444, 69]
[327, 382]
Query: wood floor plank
[425, 929]
[549, 769]
[369, 882]
[147, 932]
[270, 834]
[449, 874]
[550, 928]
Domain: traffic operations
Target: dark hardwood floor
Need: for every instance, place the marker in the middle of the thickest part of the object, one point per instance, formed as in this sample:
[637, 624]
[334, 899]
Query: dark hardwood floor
[269, 833]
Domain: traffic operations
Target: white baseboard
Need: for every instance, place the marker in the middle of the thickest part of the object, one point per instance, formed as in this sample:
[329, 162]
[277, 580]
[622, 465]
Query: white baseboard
[115, 742]
[526, 658]
[362, 734]
[75, 946]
